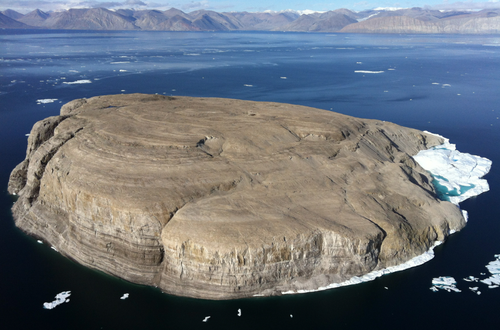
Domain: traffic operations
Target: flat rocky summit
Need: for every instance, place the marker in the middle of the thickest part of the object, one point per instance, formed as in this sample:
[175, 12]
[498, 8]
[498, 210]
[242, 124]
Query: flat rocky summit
[220, 198]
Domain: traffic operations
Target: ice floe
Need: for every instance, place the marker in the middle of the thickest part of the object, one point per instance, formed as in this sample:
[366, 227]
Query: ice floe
[60, 298]
[475, 289]
[45, 101]
[447, 283]
[494, 268]
[457, 176]
[83, 81]
[471, 279]
[365, 71]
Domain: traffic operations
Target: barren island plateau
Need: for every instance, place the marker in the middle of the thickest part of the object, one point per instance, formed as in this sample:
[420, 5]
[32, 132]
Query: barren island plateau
[220, 198]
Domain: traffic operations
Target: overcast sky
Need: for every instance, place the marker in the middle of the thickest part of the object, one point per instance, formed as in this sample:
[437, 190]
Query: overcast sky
[25, 6]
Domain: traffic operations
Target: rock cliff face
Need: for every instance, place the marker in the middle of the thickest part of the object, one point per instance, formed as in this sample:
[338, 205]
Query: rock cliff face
[220, 198]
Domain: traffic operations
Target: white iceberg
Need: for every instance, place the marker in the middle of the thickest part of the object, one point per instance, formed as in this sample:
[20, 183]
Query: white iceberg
[471, 279]
[366, 71]
[475, 289]
[84, 81]
[45, 101]
[447, 283]
[457, 176]
[60, 298]
[494, 268]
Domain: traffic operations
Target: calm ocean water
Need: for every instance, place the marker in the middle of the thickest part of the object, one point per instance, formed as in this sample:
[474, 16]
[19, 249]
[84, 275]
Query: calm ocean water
[444, 84]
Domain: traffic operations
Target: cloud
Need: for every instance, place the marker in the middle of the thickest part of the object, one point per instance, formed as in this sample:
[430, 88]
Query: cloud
[466, 5]
[29, 5]
[196, 5]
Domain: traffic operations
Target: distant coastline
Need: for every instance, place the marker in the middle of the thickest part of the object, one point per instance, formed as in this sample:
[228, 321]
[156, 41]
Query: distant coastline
[412, 20]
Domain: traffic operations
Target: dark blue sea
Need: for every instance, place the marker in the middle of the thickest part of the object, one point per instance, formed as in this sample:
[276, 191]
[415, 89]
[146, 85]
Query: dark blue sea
[444, 84]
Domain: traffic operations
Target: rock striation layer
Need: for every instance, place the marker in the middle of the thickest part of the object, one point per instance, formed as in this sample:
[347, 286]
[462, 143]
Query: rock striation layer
[220, 198]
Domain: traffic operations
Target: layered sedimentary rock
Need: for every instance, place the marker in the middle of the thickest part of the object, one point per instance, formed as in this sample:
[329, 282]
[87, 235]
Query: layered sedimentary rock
[220, 198]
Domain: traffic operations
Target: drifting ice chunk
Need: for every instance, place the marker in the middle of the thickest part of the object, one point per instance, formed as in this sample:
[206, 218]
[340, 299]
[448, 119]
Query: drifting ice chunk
[45, 101]
[471, 279]
[60, 298]
[84, 81]
[366, 71]
[457, 176]
[475, 290]
[447, 283]
[494, 268]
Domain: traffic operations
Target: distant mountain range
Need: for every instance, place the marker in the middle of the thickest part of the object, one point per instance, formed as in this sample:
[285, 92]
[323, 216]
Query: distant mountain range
[414, 20]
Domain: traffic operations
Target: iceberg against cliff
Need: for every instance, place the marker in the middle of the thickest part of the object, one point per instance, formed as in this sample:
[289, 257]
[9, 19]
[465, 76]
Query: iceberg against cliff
[457, 176]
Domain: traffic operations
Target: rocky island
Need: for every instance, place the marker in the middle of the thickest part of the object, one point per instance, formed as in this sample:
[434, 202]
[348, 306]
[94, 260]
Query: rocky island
[220, 199]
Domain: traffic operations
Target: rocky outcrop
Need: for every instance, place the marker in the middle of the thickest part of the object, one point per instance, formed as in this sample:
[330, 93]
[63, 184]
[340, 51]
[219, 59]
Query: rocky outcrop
[219, 198]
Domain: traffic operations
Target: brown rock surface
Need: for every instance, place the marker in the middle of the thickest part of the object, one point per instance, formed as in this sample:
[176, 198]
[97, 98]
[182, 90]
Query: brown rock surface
[221, 198]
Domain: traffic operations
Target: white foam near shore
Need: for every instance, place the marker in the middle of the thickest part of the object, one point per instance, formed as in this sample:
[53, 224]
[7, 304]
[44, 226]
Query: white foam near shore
[60, 298]
[457, 176]
[84, 81]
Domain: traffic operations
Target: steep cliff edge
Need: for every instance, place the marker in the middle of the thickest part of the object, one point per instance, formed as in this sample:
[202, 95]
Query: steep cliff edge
[221, 198]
